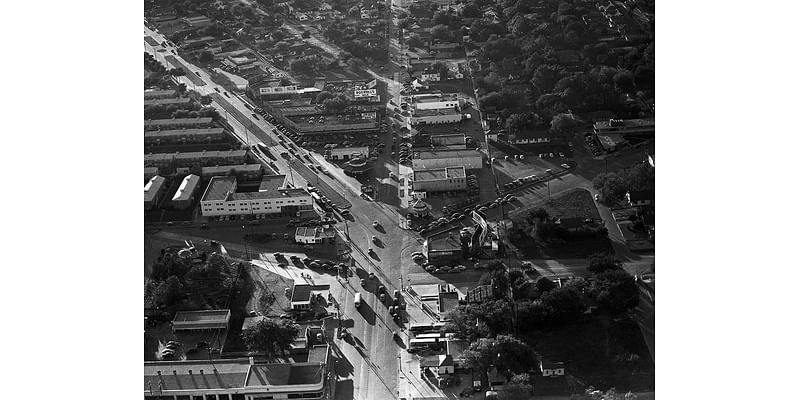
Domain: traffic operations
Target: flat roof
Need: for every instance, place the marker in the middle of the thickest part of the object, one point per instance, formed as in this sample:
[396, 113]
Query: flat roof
[211, 154]
[151, 170]
[430, 174]
[444, 140]
[226, 374]
[149, 94]
[301, 293]
[176, 100]
[315, 231]
[448, 301]
[271, 183]
[434, 111]
[226, 168]
[318, 353]
[178, 121]
[187, 188]
[219, 188]
[456, 172]
[627, 123]
[445, 153]
[445, 241]
[158, 156]
[152, 187]
[204, 319]
[184, 132]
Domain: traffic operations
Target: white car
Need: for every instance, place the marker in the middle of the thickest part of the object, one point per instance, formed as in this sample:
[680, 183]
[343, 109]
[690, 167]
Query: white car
[375, 224]
[596, 197]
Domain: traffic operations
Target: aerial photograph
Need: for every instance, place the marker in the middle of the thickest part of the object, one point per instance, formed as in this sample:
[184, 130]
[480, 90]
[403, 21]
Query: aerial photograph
[401, 199]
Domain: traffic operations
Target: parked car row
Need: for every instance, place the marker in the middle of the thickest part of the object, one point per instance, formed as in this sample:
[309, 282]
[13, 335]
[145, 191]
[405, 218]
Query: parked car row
[444, 269]
[593, 146]
[472, 183]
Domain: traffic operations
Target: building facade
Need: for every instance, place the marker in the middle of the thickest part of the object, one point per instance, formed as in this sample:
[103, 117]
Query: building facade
[177, 123]
[242, 171]
[184, 196]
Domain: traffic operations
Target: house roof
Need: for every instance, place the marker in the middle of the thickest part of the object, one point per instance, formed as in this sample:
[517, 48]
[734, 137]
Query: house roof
[445, 360]
[187, 188]
[153, 187]
[552, 365]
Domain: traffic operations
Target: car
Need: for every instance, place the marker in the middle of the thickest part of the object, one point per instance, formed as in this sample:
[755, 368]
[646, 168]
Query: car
[417, 253]
[547, 171]
[294, 258]
[371, 275]
[566, 166]
[446, 268]
[285, 316]
[375, 224]
[374, 239]
[560, 154]
[383, 297]
[596, 197]
[226, 94]
[277, 255]
[552, 155]
[363, 282]
[438, 271]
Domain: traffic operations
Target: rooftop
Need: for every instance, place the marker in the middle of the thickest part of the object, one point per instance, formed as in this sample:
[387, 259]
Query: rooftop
[158, 102]
[316, 232]
[226, 168]
[211, 154]
[152, 187]
[447, 301]
[205, 319]
[318, 354]
[159, 93]
[430, 174]
[184, 132]
[445, 140]
[445, 153]
[625, 123]
[271, 183]
[436, 111]
[445, 241]
[219, 188]
[302, 293]
[187, 188]
[178, 121]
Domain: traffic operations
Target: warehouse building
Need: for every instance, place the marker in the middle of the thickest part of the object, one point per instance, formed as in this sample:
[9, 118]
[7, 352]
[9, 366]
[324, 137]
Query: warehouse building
[435, 116]
[273, 197]
[199, 321]
[172, 136]
[435, 101]
[242, 171]
[153, 192]
[184, 196]
[449, 141]
[450, 179]
[443, 158]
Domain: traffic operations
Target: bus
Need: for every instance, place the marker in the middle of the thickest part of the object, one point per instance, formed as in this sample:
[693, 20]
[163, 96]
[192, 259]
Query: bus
[357, 300]
[422, 328]
[430, 335]
[429, 343]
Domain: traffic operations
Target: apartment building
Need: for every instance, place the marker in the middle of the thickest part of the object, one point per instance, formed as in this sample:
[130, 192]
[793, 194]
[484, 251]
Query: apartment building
[174, 136]
[153, 192]
[242, 171]
[177, 123]
[184, 196]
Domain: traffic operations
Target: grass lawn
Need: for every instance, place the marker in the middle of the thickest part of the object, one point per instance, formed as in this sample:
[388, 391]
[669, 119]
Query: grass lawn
[599, 351]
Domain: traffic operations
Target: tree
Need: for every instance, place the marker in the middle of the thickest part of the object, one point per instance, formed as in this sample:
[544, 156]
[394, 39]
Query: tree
[563, 124]
[205, 100]
[499, 281]
[441, 32]
[546, 76]
[565, 302]
[303, 65]
[539, 214]
[270, 336]
[415, 41]
[336, 104]
[544, 285]
[471, 11]
[306, 34]
[624, 81]
[206, 56]
[615, 291]
[507, 353]
[532, 315]
[169, 292]
[322, 96]
[599, 263]
[474, 320]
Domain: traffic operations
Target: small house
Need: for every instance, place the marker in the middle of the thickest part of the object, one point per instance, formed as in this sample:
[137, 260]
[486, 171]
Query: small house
[552, 369]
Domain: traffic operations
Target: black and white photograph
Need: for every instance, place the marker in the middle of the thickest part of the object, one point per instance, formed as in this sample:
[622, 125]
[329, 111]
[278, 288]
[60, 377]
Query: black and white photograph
[399, 200]
[360, 200]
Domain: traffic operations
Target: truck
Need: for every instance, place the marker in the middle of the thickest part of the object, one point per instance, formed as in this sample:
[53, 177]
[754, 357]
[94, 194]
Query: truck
[357, 300]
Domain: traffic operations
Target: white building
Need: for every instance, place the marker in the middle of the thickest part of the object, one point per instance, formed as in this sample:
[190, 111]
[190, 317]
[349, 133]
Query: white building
[153, 191]
[427, 159]
[435, 101]
[184, 196]
[314, 234]
[552, 369]
[435, 116]
[430, 76]
[440, 180]
[272, 197]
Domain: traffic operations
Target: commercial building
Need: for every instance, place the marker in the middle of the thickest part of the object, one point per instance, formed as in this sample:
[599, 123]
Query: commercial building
[177, 123]
[435, 116]
[306, 119]
[612, 141]
[242, 171]
[177, 101]
[301, 297]
[641, 126]
[184, 196]
[542, 136]
[435, 101]
[173, 136]
[241, 379]
[446, 246]
[346, 153]
[448, 179]
[201, 320]
[272, 197]
[450, 141]
[153, 192]
[427, 159]
[314, 235]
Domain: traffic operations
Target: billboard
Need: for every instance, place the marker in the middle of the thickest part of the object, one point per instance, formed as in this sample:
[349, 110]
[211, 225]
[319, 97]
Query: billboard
[480, 221]
[479, 294]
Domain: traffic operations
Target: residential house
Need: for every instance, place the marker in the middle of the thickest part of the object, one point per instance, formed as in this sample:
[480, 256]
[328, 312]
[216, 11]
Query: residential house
[641, 198]
[552, 369]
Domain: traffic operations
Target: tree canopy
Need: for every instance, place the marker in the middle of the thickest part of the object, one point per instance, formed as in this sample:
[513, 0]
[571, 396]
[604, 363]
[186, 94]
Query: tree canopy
[271, 336]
